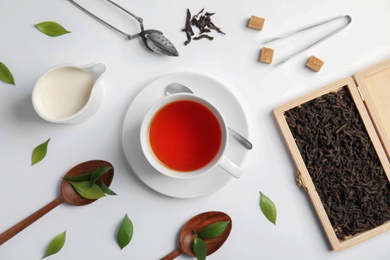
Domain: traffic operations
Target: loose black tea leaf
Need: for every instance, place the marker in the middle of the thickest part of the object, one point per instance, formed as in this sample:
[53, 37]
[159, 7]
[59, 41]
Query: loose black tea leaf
[187, 28]
[203, 23]
[204, 36]
[342, 162]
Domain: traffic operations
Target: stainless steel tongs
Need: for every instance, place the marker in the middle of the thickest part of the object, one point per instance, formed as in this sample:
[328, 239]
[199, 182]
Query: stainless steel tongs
[153, 40]
[349, 20]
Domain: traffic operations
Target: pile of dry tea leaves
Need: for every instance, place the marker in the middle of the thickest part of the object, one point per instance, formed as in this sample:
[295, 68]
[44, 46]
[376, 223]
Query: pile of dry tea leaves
[342, 162]
[203, 23]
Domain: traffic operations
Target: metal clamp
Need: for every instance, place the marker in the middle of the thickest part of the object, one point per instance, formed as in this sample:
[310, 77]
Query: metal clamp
[349, 20]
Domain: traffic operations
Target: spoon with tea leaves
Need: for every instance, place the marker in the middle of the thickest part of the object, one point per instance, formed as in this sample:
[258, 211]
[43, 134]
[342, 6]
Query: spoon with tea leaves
[209, 228]
[68, 193]
[180, 88]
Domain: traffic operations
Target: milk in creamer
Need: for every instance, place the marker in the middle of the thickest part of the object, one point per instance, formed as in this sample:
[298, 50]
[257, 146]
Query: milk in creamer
[65, 91]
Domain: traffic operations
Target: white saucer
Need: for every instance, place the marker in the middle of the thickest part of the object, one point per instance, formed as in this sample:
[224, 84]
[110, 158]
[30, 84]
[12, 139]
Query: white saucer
[215, 91]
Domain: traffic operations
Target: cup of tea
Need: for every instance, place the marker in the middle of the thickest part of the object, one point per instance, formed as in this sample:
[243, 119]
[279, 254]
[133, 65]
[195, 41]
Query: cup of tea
[184, 136]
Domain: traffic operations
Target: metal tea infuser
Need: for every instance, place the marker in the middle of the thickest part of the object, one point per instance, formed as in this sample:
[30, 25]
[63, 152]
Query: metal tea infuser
[152, 39]
[349, 20]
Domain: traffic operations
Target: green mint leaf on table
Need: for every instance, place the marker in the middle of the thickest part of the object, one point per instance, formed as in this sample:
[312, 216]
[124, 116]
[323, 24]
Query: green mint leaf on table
[268, 208]
[97, 173]
[200, 249]
[86, 191]
[106, 190]
[213, 230]
[125, 232]
[56, 244]
[51, 29]
[39, 152]
[6, 75]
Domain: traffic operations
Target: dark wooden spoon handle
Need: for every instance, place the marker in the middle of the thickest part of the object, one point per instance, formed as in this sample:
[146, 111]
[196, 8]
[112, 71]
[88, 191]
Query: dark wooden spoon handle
[28, 221]
[172, 254]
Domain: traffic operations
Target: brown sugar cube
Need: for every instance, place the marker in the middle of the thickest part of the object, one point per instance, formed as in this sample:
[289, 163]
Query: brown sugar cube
[256, 23]
[314, 63]
[266, 55]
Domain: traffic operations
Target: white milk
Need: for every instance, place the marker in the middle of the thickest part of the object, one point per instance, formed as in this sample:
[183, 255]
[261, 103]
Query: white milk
[65, 91]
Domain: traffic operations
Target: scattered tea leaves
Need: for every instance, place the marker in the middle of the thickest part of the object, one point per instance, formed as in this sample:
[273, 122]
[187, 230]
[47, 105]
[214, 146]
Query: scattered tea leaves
[200, 249]
[106, 190]
[268, 208]
[213, 230]
[86, 191]
[97, 173]
[51, 29]
[333, 141]
[39, 152]
[125, 232]
[203, 23]
[56, 244]
[6, 75]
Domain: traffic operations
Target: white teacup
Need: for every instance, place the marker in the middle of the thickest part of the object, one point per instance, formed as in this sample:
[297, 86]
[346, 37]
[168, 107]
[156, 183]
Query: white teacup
[184, 136]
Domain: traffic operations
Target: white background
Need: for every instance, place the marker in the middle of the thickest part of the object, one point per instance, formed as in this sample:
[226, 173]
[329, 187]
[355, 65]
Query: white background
[233, 57]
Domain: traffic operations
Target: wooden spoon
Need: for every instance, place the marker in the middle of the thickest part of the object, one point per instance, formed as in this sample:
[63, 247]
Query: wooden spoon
[67, 194]
[195, 224]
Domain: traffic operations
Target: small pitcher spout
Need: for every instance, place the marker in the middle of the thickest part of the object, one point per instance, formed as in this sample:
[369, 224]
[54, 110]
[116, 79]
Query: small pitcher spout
[96, 69]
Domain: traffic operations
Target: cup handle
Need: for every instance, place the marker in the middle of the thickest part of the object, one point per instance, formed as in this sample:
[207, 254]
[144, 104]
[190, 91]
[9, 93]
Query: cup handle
[230, 167]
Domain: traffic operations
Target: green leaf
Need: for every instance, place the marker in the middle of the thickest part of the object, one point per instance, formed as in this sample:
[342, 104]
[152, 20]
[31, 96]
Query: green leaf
[6, 75]
[39, 152]
[268, 208]
[97, 173]
[56, 244]
[86, 191]
[78, 178]
[125, 232]
[52, 29]
[214, 230]
[200, 249]
[106, 190]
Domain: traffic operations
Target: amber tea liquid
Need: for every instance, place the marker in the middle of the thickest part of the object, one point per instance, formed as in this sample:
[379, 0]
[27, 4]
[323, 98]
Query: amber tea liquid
[185, 135]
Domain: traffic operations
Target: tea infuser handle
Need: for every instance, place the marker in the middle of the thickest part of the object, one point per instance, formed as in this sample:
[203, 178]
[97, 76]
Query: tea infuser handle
[128, 36]
[230, 167]
[139, 19]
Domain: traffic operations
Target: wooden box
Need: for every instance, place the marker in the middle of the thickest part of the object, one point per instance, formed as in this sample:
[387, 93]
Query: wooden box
[340, 165]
